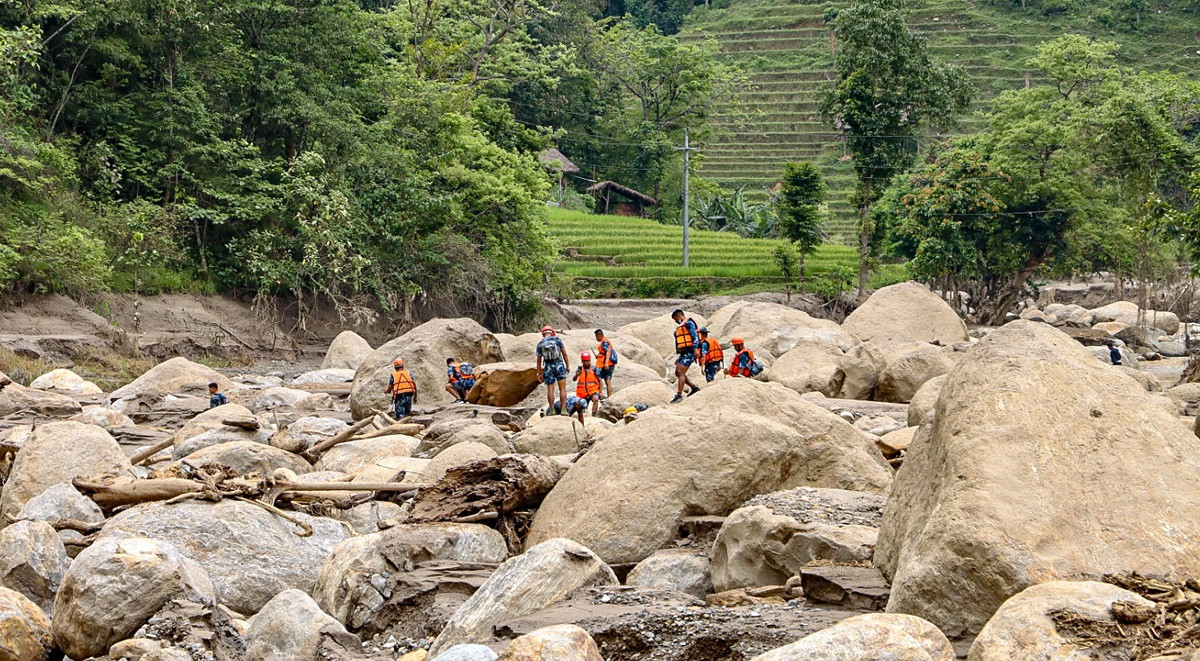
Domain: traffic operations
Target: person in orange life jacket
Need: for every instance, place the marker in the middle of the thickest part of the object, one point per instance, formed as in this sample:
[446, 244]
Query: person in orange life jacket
[687, 350]
[711, 356]
[740, 365]
[552, 365]
[604, 361]
[587, 383]
[403, 390]
[458, 384]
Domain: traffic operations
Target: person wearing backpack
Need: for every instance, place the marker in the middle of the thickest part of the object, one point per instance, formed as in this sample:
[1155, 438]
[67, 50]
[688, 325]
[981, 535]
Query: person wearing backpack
[687, 351]
[744, 362]
[552, 365]
[712, 358]
[403, 390]
[460, 379]
[587, 383]
[606, 360]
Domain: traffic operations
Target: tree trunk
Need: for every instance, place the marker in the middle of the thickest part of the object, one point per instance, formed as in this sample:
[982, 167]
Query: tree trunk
[502, 485]
[1006, 301]
[802, 271]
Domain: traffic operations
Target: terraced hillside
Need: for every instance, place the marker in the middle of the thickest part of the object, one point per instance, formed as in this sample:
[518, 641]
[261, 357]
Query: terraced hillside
[785, 47]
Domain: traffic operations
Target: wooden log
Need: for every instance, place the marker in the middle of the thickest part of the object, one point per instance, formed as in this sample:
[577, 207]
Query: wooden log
[110, 493]
[146, 453]
[397, 429]
[501, 485]
[314, 453]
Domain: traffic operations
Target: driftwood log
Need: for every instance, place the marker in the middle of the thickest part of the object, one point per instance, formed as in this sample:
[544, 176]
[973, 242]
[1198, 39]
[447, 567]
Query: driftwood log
[475, 491]
[314, 453]
[111, 492]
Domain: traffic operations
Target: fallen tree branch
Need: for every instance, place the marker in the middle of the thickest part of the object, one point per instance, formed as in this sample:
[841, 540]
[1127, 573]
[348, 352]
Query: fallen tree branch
[143, 455]
[314, 453]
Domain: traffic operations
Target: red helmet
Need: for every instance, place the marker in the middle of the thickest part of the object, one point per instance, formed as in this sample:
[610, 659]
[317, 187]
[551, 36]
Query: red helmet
[586, 355]
[399, 362]
[547, 329]
[737, 340]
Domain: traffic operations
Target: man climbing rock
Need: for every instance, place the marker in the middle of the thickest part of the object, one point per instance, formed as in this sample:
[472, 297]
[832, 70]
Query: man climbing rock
[687, 350]
[552, 365]
[587, 383]
[403, 390]
[606, 361]
[712, 358]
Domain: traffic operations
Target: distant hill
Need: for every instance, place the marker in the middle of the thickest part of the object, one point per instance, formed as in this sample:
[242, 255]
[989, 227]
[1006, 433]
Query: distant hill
[785, 46]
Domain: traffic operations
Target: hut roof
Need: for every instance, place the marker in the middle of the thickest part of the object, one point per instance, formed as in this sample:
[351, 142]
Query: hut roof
[612, 186]
[555, 158]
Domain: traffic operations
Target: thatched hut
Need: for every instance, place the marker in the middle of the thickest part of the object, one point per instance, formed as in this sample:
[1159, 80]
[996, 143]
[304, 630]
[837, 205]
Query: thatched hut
[554, 161]
[629, 202]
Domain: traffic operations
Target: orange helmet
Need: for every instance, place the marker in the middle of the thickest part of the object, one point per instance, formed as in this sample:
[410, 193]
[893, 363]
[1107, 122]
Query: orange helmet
[586, 355]
[737, 340]
[399, 362]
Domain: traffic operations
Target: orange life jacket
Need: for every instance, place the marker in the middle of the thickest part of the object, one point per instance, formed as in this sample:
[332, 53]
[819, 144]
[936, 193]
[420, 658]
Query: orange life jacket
[454, 375]
[714, 353]
[602, 356]
[402, 383]
[589, 383]
[736, 369]
[683, 338]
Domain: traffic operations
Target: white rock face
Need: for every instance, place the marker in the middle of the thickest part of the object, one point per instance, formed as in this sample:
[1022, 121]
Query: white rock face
[114, 586]
[543, 575]
[65, 380]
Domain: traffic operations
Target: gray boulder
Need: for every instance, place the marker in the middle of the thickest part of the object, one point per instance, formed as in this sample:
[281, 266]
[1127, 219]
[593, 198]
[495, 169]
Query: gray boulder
[291, 627]
[347, 351]
[682, 570]
[24, 629]
[32, 561]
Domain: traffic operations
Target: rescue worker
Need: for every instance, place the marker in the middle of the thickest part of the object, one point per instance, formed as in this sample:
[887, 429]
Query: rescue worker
[552, 365]
[216, 398]
[712, 358]
[458, 384]
[606, 360]
[740, 365]
[575, 406]
[687, 350]
[587, 383]
[403, 390]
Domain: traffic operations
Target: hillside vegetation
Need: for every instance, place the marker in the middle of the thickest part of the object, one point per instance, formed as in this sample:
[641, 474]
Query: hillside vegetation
[785, 47]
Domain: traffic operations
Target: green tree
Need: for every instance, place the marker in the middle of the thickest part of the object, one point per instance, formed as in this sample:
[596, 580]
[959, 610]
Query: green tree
[788, 261]
[889, 88]
[801, 209]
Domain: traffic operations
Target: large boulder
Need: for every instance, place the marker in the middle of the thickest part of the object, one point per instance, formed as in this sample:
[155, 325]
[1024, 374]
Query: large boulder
[906, 373]
[924, 401]
[246, 457]
[61, 502]
[859, 371]
[469, 430]
[1023, 628]
[104, 417]
[32, 561]
[114, 586]
[214, 419]
[354, 455]
[561, 642]
[1129, 314]
[543, 575]
[362, 583]
[307, 432]
[347, 352]
[291, 627]
[325, 377]
[65, 380]
[455, 455]
[503, 384]
[281, 397]
[250, 553]
[777, 329]
[630, 350]
[177, 375]
[555, 435]
[424, 349]
[683, 570]
[55, 453]
[1040, 464]
[873, 636]
[649, 393]
[906, 312]
[731, 441]
[658, 333]
[24, 629]
[15, 397]
[772, 537]
[808, 367]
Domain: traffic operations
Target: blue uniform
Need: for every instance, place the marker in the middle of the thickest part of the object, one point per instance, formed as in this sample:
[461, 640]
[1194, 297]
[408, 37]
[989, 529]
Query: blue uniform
[217, 399]
[554, 368]
[688, 356]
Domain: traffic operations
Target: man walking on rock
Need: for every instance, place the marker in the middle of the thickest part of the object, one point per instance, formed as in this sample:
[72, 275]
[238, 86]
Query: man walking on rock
[606, 360]
[687, 350]
[711, 355]
[552, 365]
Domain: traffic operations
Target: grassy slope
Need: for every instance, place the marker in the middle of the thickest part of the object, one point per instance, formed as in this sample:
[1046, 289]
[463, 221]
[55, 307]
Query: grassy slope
[784, 45]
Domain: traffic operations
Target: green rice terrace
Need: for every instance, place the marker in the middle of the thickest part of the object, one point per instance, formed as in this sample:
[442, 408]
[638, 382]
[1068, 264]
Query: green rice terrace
[784, 45]
[618, 255]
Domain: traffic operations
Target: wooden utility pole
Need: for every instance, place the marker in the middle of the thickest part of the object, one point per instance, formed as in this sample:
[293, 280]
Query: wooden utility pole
[687, 198]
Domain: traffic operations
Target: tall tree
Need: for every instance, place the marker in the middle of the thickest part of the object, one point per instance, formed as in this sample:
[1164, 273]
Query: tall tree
[801, 214]
[889, 88]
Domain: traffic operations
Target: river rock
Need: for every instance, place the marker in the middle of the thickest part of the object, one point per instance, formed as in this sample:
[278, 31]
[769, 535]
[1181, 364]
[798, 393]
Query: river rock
[658, 333]
[64, 380]
[347, 351]
[503, 384]
[808, 367]
[1022, 630]
[247, 457]
[307, 432]
[924, 401]
[1127, 313]
[906, 312]
[15, 397]
[59, 503]
[543, 575]
[55, 453]
[771, 537]
[557, 434]
[650, 393]
[32, 561]
[250, 553]
[860, 369]
[424, 349]
[365, 518]
[291, 627]
[1145, 379]
[1044, 464]
[873, 636]
[455, 455]
[386, 469]
[777, 329]
[103, 417]
[683, 570]
[471, 430]
[278, 398]
[177, 375]
[24, 629]
[707, 455]
[630, 350]
[907, 372]
[214, 419]
[363, 583]
[562, 642]
[355, 455]
[467, 653]
[114, 586]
